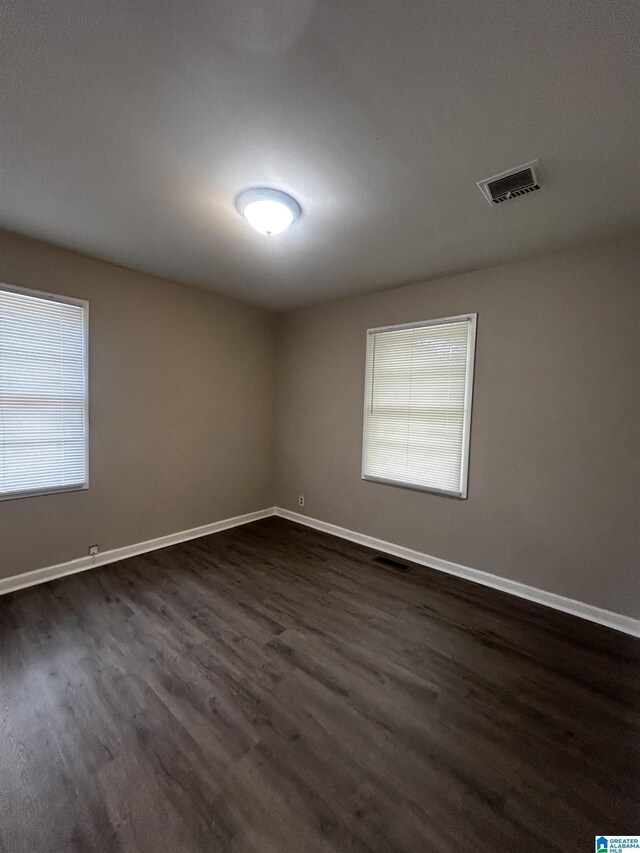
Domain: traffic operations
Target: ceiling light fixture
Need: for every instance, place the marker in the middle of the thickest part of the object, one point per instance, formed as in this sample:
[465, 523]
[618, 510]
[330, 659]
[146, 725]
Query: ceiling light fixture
[268, 211]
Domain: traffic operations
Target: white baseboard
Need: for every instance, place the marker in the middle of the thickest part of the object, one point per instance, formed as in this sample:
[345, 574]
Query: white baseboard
[617, 621]
[83, 563]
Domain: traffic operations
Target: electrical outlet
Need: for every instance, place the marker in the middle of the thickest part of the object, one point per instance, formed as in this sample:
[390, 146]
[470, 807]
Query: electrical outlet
[301, 500]
[93, 550]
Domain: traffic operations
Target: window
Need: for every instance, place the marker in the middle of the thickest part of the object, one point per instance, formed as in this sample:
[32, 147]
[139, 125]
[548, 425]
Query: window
[43, 393]
[417, 408]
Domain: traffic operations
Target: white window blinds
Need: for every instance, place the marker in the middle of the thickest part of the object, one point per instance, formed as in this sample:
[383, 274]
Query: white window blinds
[43, 393]
[418, 388]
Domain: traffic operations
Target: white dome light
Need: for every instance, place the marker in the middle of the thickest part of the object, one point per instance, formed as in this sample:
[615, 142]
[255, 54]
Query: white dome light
[268, 211]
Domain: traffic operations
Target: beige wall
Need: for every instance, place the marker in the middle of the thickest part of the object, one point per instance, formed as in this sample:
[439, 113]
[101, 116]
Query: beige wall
[181, 411]
[553, 482]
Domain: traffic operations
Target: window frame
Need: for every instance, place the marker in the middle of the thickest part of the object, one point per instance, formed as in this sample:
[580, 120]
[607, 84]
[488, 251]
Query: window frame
[84, 304]
[462, 494]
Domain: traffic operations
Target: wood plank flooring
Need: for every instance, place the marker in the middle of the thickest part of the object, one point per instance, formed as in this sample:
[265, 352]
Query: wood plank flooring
[271, 689]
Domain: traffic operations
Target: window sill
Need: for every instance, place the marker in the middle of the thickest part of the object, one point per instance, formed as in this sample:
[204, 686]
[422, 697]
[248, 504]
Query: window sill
[53, 490]
[459, 496]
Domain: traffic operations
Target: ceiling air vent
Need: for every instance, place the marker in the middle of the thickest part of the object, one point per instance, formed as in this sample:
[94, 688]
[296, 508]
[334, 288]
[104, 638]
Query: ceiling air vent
[511, 184]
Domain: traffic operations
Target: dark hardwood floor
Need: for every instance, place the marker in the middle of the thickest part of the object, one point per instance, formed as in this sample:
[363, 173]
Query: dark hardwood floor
[271, 689]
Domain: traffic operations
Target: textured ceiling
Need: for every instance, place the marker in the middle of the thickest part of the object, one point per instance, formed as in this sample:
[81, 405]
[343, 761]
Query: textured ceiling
[128, 127]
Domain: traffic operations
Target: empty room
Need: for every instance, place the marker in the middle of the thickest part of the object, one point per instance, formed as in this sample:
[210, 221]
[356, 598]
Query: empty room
[319, 426]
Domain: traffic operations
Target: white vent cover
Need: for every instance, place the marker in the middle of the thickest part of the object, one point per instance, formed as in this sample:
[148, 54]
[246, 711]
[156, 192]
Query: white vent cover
[510, 184]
